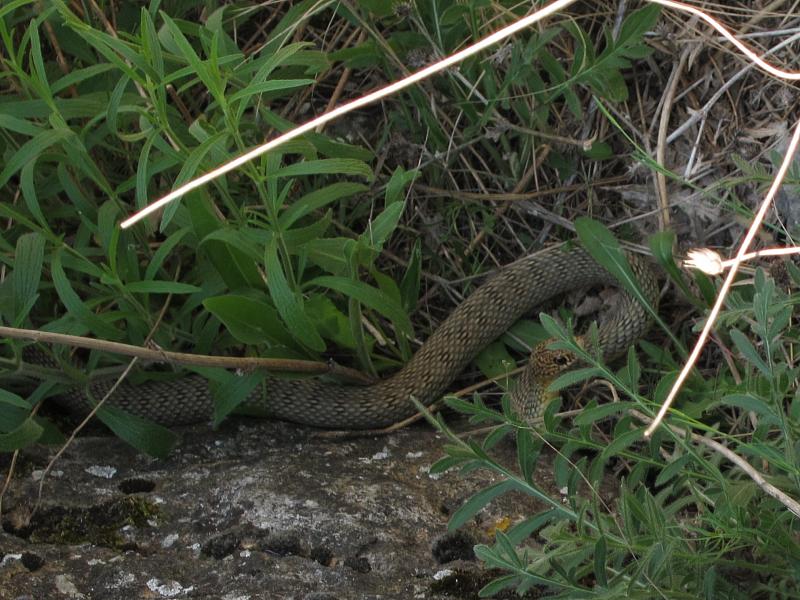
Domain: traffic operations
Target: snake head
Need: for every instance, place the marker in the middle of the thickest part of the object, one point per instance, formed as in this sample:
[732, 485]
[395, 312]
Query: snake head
[549, 363]
[531, 396]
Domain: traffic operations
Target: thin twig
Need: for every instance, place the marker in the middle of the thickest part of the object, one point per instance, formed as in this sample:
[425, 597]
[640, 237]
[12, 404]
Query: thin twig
[661, 147]
[246, 363]
[789, 502]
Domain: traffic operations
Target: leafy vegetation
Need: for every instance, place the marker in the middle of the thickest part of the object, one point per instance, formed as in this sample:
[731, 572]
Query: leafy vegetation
[327, 247]
[685, 523]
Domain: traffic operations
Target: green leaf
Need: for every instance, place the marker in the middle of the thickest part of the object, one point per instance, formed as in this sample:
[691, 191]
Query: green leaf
[142, 164]
[37, 71]
[600, 556]
[637, 24]
[151, 46]
[599, 151]
[75, 306]
[600, 243]
[574, 376]
[120, 54]
[379, 230]
[249, 320]
[233, 391]
[288, 303]
[751, 403]
[495, 361]
[632, 372]
[247, 241]
[599, 413]
[673, 469]
[189, 169]
[29, 258]
[164, 250]
[478, 501]
[194, 161]
[31, 150]
[236, 267]
[318, 199]
[325, 166]
[661, 244]
[297, 237]
[29, 193]
[496, 586]
[18, 426]
[297, 15]
[12, 399]
[331, 323]
[205, 70]
[27, 433]
[368, 296]
[144, 435]
[267, 62]
[527, 453]
[161, 287]
[409, 285]
[12, 5]
[621, 442]
[273, 85]
[745, 346]
[397, 183]
[330, 253]
[604, 248]
[26, 128]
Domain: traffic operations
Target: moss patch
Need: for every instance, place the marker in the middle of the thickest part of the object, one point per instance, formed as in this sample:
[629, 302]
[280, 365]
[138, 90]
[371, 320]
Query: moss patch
[99, 524]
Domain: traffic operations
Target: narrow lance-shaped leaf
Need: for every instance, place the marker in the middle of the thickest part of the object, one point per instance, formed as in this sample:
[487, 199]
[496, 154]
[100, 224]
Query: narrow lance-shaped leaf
[661, 245]
[410, 284]
[368, 296]
[75, 305]
[233, 392]
[144, 435]
[604, 248]
[745, 346]
[204, 69]
[249, 320]
[324, 166]
[30, 151]
[318, 199]
[379, 229]
[288, 303]
[29, 258]
[478, 502]
[30, 194]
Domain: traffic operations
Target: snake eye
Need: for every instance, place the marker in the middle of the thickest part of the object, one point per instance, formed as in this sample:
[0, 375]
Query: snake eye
[561, 360]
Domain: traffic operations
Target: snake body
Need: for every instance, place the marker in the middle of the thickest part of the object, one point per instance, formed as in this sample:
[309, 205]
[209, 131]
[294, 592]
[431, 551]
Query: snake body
[480, 319]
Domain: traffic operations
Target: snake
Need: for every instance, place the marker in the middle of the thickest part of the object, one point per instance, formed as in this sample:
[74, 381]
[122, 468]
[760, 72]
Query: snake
[484, 316]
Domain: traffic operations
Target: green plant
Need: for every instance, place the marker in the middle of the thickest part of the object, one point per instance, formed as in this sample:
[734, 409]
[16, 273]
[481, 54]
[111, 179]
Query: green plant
[685, 522]
[206, 273]
[291, 255]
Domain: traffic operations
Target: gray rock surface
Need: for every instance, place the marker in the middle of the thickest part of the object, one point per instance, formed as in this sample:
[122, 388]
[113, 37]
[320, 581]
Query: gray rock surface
[255, 510]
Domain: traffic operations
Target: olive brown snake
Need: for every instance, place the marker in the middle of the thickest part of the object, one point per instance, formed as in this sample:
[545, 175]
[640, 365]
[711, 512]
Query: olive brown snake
[481, 318]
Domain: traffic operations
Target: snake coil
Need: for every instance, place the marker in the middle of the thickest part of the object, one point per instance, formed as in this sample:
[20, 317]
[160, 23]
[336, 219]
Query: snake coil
[480, 319]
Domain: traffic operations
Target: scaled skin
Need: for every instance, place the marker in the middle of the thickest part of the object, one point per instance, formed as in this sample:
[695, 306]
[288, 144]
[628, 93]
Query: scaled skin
[530, 396]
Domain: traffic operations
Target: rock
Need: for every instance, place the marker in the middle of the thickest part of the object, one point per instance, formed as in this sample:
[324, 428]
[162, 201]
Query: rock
[257, 509]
